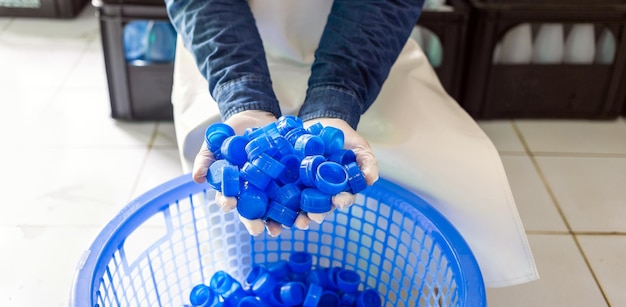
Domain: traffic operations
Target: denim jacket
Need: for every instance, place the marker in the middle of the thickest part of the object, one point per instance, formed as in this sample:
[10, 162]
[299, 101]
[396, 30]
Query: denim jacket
[359, 44]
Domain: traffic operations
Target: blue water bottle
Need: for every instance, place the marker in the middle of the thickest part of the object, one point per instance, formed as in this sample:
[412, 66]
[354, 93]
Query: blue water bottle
[161, 45]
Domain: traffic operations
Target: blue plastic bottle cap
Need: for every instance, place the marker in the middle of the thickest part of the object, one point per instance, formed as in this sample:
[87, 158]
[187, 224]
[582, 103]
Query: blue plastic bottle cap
[313, 200]
[215, 175]
[316, 128]
[279, 269]
[202, 295]
[313, 296]
[333, 139]
[356, 181]
[329, 299]
[369, 298]
[281, 214]
[272, 189]
[230, 180]
[283, 147]
[309, 145]
[300, 262]
[249, 131]
[250, 301]
[289, 196]
[274, 299]
[294, 134]
[257, 146]
[252, 203]
[348, 281]
[216, 133]
[292, 293]
[234, 149]
[332, 277]
[228, 287]
[343, 157]
[268, 130]
[286, 123]
[318, 277]
[268, 165]
[331, 178]
[349, 298]
[261, 282]
[255, 176]
[291, 173]
[308, 168]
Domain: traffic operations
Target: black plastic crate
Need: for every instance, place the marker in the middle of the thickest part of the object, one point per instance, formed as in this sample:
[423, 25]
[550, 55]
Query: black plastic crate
[529, 90]
[138, 90]
[61, 9]
[451, 29]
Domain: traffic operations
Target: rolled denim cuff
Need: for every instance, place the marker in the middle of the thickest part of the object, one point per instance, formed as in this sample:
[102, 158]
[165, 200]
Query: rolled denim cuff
[334, 102]
[246, 93]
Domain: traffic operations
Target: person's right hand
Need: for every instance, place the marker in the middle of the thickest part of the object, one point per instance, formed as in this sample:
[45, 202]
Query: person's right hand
[239, 122]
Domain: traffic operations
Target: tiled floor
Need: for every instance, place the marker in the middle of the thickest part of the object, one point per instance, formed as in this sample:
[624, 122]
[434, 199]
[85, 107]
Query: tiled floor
[67, 168]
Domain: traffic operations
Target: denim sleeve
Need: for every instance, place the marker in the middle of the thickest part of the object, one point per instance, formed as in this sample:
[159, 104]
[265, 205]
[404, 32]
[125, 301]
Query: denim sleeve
[361, 41]
[224, 40]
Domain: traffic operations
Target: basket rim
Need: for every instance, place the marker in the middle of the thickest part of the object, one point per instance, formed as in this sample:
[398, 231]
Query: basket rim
[95, 259]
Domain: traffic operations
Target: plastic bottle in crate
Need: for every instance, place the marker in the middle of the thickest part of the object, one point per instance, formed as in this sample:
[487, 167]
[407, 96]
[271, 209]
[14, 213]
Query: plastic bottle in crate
[161, 42]
[134, 39]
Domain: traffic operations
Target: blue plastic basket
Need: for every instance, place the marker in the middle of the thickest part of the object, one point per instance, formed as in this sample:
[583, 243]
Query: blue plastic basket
[173, 237]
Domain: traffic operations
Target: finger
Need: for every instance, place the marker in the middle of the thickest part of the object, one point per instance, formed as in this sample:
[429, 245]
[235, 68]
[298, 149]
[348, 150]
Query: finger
[319, 217]
[344, 200]
[302, 221]
[273, 228]
[226, 203]
[201, 164]
[368, 164]
[254, 227]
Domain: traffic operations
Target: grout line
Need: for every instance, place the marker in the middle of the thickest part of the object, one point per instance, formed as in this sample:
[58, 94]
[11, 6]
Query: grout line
[578, 233]
[145, 160]
[579, 154]
[532, 156]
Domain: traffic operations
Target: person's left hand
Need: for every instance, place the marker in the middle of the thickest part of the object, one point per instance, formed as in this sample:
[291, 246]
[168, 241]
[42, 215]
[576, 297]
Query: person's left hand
[365, 158]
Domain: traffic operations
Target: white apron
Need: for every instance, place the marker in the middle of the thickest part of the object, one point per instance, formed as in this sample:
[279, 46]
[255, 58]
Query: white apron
[422, 138]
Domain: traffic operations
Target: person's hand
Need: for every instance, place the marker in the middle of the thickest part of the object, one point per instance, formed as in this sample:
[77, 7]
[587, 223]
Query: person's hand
[239, 122]
[365, 158]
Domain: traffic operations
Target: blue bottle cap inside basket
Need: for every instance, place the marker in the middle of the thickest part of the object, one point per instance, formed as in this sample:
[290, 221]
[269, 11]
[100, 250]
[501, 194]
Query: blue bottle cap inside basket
[300, 262]
[292, 293]
[369, 298]
[251, 301]
[202, 295]
[313, 296]
[348, 281]
[279, 269]
[329, 298]
[331, 178]
[261, 282]
[313, 200]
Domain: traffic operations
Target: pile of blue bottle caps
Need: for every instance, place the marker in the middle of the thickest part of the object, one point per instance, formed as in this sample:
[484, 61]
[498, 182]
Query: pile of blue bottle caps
[286, 283]
[282, 169]
[149, 40]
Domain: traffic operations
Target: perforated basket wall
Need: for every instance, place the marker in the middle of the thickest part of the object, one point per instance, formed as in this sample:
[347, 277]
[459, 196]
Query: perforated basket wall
[173, 237]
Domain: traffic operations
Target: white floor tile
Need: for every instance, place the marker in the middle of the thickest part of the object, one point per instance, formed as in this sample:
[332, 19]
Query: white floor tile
[606, 256]
[65, 186]
[166, 135]
[161, 165]
[534, 204]
[38, 264]
[565, 278]
[502, 135]
[82, 118]
[590, 190]
[4, 23]
[574, 136]
[89, 72]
